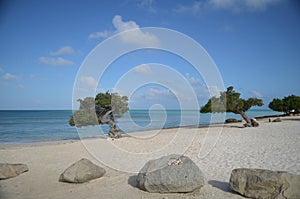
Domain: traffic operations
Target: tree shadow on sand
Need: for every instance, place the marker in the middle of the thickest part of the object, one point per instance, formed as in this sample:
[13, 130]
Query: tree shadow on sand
[291, 119]
[235, 126]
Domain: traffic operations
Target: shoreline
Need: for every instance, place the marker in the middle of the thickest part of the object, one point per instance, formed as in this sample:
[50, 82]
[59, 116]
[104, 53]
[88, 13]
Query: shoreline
[64, 141]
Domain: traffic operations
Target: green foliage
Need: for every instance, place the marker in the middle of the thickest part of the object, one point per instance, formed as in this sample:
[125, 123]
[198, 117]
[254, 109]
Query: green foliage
[120, 103]
[287, 104]
[92, 109]
[277, 105]
[87, 104]
[229, 101]
[84, 118]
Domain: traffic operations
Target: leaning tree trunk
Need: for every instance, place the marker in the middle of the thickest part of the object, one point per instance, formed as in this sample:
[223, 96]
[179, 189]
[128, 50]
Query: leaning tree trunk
[113, 131]
[249, 122]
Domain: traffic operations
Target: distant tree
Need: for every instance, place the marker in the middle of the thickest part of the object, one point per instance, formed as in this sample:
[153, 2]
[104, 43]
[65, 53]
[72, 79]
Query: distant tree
[277, 105]
[289, 104]
[230, 101]
[100, 110]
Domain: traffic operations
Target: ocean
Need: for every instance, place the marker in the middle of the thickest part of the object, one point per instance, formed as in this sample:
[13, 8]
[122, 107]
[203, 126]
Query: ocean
[26, 126]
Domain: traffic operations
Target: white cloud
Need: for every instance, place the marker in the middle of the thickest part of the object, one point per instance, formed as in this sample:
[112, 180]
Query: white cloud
[222, 4]
[239, 5]
[259, 4]
[193, 8]
[135, 35]
[214, 91]
[9, 76]
[147, 4]
[152, 92]
[103, 34]
[66, 50]
[231, 5]
[143, 69]
[193, 81]
[21, 87]
[55, 61]
[256, 94]
[89, 81]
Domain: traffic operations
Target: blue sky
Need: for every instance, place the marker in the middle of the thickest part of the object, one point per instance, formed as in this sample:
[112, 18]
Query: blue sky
[255, 45]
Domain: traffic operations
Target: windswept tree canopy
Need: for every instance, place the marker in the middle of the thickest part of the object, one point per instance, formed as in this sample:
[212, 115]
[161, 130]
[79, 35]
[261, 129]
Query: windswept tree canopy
[91, 110]
[229, 101]
[288, 104]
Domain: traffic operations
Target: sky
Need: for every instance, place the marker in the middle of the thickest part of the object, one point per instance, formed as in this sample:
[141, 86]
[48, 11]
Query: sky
[45, 46]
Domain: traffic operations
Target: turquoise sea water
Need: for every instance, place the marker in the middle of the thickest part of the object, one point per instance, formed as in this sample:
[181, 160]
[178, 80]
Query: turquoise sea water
[48, 125]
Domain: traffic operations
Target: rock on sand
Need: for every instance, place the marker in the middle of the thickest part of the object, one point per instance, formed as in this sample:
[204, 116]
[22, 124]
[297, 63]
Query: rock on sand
[81, 171]
[170, 174]
[11, 170]
[259, 183]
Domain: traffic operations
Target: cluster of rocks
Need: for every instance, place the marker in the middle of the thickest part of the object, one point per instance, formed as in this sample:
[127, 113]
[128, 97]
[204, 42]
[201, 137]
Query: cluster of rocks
[179, 174]
[253, 122]
[175, 174]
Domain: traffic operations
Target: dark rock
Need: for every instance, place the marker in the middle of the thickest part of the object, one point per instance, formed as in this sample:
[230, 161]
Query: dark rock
[231, 120]
[11, 170]
[254, 123]
[277, 120]
[170, 174]
[259, 183]
[81, 171]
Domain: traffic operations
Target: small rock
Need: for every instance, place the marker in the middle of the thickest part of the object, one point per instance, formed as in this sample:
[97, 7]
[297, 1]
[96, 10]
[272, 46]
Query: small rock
[11, 170]
[277, 120]
[259, 183]
[81, 171]
[170, 174]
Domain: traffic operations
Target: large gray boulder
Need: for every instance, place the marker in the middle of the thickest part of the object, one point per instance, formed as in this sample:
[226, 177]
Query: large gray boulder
[266, 184]
[11, 170]
[170, 174]
[81, 171]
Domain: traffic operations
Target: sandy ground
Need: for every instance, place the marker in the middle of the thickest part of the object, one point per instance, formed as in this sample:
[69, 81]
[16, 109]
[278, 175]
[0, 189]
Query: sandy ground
[216, 150]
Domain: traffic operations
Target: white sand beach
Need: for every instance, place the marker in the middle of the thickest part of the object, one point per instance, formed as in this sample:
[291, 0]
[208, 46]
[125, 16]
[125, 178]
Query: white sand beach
[273, 146]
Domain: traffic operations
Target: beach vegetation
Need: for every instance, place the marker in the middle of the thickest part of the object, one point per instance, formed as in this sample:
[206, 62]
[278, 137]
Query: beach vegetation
[100, 110]
[288, 105]
[230, 101]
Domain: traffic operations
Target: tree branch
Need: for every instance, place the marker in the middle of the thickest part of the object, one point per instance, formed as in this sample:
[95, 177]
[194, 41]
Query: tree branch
[104, 119]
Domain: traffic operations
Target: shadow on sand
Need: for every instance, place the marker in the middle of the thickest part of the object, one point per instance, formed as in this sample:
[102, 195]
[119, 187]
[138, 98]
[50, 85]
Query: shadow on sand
[291, 119]
[224, 186]
[132, 181]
